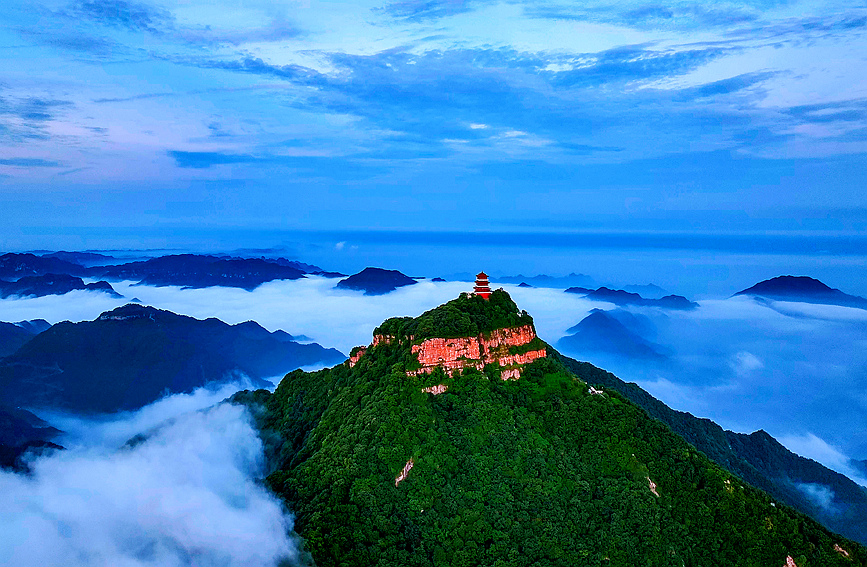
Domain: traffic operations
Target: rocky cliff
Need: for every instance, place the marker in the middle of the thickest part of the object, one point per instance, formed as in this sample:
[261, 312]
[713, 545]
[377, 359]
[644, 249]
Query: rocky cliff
[509, 347]
[505, 347]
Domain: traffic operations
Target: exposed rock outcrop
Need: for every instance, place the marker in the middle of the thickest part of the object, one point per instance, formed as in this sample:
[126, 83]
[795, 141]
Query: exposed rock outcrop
[476, 352]
[506, 347]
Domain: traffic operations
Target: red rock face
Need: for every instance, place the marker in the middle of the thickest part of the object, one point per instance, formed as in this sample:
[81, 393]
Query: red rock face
[476, 352]
[353, 360]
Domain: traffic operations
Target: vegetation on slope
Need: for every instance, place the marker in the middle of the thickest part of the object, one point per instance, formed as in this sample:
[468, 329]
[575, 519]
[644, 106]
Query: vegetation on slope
[537, 471]
[757, 458]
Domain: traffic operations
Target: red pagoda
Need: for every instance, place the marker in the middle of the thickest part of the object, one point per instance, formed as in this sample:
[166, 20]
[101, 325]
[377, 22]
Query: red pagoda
[482, 287]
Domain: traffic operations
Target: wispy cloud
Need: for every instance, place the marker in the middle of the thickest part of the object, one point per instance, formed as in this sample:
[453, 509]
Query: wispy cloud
[135, 16]
[29, 162]
[420, 10]
[202, 160]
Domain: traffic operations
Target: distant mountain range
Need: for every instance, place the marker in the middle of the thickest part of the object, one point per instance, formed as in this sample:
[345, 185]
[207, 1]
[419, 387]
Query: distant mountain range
[543, 280]
[621, 298]
[61, 272]
[52, 284]
[376, 281]
[83, 258]
[15, 266]
[615, 332]
[804, 289]
[133, 355]
[196, 271]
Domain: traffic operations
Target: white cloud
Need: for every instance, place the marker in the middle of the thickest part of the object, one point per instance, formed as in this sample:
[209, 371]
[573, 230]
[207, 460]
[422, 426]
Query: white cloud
[745, 362]
[813, 447]
[188, 495]
[819, 494]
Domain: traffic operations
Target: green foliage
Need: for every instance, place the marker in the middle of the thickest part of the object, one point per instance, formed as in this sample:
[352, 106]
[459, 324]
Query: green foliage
[467, 316]
[530, 472]
[535, 344]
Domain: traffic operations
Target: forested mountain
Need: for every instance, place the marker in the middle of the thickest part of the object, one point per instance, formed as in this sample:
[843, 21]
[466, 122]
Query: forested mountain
[388, 460]
[133, 355]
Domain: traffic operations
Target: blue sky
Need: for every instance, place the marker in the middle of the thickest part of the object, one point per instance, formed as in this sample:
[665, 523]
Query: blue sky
[740, 117]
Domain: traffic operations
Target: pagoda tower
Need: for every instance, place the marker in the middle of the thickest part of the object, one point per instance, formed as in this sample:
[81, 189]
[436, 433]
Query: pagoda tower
[482, 287]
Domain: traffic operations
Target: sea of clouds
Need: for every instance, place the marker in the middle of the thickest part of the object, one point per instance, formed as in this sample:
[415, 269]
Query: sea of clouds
[797, 371]
[189, 494]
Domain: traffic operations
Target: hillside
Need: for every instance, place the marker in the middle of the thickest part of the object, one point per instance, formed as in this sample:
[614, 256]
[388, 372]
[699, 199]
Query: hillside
[757, 458]
[389, 459]
[803, 288]
[14, 335]
[133, 355]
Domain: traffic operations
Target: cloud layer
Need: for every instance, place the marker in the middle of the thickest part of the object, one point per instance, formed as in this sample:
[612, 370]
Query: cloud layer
[187, 495]
[795, 370]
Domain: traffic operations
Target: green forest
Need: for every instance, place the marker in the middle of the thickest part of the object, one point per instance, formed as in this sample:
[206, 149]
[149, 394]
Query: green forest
[537, 471]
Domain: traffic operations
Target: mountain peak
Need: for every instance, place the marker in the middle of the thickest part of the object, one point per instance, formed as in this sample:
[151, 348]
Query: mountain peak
[131, 311]
[376, 281]
[805, 289]
[467, 332]
[789, 284]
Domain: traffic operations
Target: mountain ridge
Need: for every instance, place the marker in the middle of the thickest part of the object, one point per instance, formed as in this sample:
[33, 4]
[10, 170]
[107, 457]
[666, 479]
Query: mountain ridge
[134, 354]
[620, 297]
[742, 454]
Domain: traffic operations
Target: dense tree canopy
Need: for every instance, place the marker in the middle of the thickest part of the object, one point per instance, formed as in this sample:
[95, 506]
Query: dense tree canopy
[538, 471]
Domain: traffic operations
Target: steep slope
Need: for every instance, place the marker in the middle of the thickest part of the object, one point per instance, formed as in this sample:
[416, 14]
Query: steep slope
[757, 458]
[132, 355]
[803, 288]
[12, 337]
[376, 281]
[385, 464]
